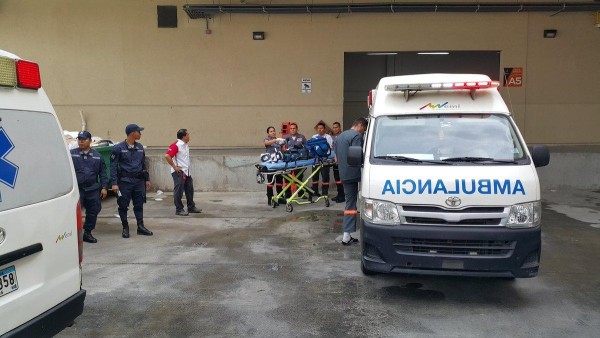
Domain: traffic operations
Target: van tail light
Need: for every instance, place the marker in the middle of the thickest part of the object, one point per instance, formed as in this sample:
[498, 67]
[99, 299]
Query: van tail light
[79, 231]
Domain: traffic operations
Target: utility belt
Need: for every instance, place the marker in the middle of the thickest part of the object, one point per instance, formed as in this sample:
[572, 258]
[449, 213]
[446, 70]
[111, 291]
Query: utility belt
[141, 174]
[87, 184]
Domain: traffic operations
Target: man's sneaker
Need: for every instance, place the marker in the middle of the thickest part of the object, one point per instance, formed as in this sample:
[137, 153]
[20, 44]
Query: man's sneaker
[181, 213]
[350, 241]
[194, 210]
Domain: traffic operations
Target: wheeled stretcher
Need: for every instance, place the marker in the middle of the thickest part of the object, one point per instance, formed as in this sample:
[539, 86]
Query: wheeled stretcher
[290, 171]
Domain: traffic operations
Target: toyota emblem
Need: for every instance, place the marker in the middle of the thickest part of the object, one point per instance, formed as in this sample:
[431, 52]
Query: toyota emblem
[453, 201]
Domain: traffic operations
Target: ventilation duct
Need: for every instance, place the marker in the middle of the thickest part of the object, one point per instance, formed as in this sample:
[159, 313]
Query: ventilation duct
[203, 11]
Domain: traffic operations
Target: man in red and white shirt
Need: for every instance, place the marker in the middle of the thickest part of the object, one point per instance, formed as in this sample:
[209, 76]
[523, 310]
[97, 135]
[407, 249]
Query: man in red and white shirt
[178, 157]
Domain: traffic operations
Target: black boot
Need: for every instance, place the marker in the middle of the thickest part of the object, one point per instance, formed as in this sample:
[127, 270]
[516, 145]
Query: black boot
[269, 199]
[87, 237]
[141, 230]
[125, 233]
[341, 196]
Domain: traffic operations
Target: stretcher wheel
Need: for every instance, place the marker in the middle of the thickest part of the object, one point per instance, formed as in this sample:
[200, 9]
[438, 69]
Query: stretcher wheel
[289, 208]
[327, 203]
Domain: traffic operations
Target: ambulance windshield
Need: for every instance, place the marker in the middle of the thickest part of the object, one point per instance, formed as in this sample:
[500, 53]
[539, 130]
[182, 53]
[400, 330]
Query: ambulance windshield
[456, 138]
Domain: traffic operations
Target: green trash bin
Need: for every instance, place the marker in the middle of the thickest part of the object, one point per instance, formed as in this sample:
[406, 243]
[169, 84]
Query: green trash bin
[105, 151]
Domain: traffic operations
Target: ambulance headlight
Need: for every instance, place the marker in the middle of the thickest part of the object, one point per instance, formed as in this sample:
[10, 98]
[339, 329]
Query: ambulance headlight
[380, 212]
[526, 215]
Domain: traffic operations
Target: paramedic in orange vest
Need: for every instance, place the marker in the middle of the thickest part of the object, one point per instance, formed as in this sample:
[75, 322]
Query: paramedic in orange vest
[341, 197]
[294, 140]
[273, 145]
[324, 172]
[178, 157]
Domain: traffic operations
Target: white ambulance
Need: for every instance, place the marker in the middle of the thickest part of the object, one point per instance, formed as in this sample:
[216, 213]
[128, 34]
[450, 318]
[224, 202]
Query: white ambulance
[448, 184]
[40, 216]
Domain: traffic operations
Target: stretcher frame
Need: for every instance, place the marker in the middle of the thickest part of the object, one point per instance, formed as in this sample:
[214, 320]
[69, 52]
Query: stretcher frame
[304, 186]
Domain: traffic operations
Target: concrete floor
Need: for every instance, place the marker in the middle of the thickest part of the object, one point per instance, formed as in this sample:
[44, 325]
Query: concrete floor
[243, 269]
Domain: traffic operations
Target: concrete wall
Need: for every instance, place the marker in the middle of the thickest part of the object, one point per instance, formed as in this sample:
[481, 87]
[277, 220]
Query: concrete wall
[574, 167]
[108, 59]
[222, 170]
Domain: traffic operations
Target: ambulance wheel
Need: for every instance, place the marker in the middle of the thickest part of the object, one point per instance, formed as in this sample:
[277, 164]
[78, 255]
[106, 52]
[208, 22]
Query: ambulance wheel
[289, 208]
[366, 271]
[327, 203]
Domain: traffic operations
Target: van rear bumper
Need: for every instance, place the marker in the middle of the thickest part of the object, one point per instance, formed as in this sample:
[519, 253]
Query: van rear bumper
[52, 321]
[444, 250]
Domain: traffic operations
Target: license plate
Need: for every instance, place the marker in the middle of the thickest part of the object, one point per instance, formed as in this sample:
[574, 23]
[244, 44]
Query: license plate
[8, 280]
[453, 264]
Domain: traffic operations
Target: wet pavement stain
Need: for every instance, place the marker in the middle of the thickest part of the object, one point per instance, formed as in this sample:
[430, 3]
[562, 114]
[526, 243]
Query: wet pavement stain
[411, 291]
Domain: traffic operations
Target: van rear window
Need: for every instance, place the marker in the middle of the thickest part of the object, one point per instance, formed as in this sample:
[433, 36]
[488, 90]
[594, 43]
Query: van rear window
[34, 161]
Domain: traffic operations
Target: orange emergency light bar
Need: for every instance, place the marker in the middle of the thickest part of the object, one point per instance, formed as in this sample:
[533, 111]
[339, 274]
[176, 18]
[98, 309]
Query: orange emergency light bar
[442, 86]
[19, 73]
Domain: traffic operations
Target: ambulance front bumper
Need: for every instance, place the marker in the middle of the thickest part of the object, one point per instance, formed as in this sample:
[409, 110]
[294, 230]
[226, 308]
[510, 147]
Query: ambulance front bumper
[450, 250]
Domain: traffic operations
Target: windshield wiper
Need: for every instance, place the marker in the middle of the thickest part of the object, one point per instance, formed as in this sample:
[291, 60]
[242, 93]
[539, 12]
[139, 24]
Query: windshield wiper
[407, 159]
[477, 159]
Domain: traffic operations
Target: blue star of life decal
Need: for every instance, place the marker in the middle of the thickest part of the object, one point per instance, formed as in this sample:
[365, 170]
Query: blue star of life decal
[8, 170]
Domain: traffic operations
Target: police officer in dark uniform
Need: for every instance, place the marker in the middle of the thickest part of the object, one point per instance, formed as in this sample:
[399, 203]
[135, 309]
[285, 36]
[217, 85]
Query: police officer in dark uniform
[130, 178]
[92, 181]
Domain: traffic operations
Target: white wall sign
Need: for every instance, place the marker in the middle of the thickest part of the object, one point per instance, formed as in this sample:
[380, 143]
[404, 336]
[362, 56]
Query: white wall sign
[306, 86]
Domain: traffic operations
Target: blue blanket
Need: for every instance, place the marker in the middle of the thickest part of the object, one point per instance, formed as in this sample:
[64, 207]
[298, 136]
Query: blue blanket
[280, 165]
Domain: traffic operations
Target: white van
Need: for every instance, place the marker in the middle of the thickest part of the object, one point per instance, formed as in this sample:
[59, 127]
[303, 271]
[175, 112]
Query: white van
[448, 185]
[40, 217]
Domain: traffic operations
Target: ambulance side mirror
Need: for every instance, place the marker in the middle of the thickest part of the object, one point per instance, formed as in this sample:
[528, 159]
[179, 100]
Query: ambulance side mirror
[540, 155]
[355, 155]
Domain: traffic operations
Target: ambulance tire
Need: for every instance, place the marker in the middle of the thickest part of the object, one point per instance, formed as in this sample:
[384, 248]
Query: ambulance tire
[366, 271]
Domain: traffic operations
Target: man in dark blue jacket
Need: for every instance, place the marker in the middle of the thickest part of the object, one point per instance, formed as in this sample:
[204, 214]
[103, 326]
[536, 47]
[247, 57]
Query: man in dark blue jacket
[92, 181]
[130, 178]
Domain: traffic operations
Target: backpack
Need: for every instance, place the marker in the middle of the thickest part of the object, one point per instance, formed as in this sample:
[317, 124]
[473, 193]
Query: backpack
[318, 147]
[291, 155]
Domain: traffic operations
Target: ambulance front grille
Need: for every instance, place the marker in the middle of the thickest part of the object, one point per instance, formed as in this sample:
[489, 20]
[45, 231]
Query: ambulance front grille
[469, 210]
[438, 221]
[455, 247]
[485, 216]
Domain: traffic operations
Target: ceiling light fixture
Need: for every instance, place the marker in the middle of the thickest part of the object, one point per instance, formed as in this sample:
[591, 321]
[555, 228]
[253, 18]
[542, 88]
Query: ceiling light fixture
[550, 33]
[258, 35]
[383, 53]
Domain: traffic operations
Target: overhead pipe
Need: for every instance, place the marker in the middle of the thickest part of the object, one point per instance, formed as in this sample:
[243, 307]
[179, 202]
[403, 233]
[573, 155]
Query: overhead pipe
[203, 11]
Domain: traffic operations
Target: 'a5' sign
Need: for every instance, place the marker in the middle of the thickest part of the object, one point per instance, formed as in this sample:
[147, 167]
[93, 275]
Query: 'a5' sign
[513, 77]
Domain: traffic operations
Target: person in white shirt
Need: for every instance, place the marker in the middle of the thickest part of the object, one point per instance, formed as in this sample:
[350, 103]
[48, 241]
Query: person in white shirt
[324, 172]
[178, 157]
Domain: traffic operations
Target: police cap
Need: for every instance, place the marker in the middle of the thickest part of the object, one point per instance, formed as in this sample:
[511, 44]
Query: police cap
[131, 128]
[84, 134]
